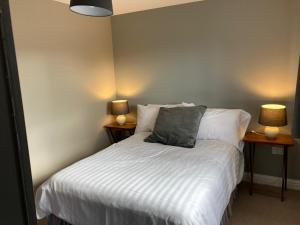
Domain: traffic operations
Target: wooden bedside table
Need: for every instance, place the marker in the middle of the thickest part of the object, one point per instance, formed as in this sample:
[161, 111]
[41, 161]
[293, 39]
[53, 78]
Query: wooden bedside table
[118, 132]
[284, 140]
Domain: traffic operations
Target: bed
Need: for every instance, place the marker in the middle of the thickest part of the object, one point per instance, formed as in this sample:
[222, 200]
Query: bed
[134, 182]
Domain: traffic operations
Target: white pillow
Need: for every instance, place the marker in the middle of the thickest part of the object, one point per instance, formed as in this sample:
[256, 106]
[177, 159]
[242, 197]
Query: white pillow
[229, 125]
[183, 104]
[147, 115]
[146, 118]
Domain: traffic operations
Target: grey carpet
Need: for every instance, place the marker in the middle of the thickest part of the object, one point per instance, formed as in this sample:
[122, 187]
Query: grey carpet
[261, 209]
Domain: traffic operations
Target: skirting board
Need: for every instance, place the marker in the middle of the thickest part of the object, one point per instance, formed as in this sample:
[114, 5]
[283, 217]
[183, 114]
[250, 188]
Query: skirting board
[272, 181]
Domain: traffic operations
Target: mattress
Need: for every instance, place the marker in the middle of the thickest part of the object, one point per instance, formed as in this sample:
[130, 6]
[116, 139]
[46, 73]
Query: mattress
[171, 184]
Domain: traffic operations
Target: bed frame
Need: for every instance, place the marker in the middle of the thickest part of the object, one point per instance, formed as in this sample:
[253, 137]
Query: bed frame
[53, 220]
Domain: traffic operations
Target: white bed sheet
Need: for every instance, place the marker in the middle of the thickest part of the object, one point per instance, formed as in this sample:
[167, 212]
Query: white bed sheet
[179, 185]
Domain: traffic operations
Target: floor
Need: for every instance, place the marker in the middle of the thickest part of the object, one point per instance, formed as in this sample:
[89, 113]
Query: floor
[261, 209]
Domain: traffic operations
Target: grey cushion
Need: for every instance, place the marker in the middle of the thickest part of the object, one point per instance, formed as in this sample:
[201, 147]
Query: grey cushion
[177, 126]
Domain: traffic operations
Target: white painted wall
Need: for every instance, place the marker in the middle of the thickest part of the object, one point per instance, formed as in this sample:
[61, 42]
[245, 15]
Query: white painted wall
[67, 78]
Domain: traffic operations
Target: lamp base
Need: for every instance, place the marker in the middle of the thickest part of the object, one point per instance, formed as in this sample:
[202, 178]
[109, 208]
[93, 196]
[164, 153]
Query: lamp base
[271, 132]
[121, 119]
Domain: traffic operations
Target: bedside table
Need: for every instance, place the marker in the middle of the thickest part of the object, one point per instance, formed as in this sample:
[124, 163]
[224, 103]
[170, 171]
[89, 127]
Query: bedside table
[283, 140]
[118, 132]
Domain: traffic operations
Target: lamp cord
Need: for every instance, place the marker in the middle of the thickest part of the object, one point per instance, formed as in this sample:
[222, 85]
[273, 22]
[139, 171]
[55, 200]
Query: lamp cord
[255, 132]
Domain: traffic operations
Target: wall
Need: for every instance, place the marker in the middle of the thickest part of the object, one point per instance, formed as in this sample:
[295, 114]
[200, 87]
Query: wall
[233, 54]
[67, 77]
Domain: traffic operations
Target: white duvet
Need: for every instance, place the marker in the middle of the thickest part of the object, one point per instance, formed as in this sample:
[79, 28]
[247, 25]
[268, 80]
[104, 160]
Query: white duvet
[178, 185]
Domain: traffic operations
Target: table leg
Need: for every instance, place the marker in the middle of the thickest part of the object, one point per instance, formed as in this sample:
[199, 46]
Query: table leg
[251, 162]
[286, 164]
[250, 167]
[284, 173]
[131, 131]
[114, 138]
[109, 135]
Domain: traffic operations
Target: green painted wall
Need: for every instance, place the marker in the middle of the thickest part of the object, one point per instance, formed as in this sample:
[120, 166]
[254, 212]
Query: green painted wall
[234, 54]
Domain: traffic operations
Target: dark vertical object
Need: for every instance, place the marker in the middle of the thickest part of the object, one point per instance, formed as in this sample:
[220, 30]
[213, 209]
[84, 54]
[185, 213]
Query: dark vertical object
[16, 193]
[296, 125]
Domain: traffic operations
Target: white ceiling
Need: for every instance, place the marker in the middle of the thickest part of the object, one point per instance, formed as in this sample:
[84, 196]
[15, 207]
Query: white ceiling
[128, 6]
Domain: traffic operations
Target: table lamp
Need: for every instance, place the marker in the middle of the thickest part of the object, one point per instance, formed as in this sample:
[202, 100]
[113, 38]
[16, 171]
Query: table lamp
[272, 116]
[120, 108]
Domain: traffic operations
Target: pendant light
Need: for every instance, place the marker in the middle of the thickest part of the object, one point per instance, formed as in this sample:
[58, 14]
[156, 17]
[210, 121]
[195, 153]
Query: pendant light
[100, 8]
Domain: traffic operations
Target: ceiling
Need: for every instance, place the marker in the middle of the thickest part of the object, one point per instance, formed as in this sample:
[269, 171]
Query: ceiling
[128, 6]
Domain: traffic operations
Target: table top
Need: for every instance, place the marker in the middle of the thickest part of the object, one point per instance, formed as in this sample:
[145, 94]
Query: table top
[126, 126]
[281, 139]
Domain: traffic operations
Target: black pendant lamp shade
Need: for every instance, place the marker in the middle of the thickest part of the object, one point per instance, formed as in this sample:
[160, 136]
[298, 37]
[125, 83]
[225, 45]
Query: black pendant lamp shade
[92, 7]
[296, 125]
